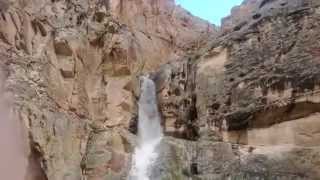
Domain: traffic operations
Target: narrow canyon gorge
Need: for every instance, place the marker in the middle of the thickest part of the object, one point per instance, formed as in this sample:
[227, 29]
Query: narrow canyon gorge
[84, 84]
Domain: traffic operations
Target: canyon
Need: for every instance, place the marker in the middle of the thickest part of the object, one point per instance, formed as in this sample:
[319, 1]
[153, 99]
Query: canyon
[240, 101]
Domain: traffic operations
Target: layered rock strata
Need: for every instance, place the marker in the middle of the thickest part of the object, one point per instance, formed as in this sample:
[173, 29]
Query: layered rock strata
[237, 103]
[71, 67]
[252, 93]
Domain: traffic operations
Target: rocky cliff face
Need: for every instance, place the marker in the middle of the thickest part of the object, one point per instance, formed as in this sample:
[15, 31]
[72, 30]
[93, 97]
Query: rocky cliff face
[71, 68]
[237, 103]
[249, 99]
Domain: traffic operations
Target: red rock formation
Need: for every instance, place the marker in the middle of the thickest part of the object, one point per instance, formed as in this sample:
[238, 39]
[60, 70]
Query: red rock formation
[70, 69]
[72, 72]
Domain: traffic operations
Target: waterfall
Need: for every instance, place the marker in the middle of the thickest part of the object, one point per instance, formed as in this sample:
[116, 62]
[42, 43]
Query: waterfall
[149, 132]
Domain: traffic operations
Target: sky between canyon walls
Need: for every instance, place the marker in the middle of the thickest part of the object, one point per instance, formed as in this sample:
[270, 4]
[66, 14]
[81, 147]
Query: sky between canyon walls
[210, 10]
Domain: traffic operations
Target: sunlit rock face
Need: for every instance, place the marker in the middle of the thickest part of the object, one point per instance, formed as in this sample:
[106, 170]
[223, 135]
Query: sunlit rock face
[240, 102]
[13, 140]
[72, 70]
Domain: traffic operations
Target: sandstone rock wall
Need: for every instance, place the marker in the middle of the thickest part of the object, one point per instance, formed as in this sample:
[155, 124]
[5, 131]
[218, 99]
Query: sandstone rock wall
[72, 65]
[255, 94]
[241, 105]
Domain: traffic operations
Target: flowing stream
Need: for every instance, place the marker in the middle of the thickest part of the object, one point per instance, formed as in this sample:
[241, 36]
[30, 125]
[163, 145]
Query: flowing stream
[149, 132]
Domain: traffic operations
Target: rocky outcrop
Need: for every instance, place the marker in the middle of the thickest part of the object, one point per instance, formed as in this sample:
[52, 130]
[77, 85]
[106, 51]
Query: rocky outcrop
[71, 67]
[266, 75]
[176, 85]
[243, 104]
[254, 92]
[219, 160]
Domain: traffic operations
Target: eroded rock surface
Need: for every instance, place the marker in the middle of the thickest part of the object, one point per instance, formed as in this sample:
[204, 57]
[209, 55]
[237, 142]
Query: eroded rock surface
[72, 66]
[255, 89]
[241, 102]
[219, 160]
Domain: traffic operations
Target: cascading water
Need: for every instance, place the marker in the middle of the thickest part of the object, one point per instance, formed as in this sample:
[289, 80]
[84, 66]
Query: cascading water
[149, 132]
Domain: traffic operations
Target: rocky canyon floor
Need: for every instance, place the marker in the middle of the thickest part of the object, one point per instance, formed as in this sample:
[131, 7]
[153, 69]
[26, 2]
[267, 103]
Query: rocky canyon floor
[237, 102]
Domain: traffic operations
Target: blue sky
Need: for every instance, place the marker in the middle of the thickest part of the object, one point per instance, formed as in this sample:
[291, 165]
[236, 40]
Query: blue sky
[211, 10]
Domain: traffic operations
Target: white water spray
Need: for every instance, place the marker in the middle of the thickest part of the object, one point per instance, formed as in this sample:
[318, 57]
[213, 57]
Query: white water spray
[149, 132]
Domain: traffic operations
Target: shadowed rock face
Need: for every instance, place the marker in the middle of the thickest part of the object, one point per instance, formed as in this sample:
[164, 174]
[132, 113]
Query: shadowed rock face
[253, 77]
[246, 95]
